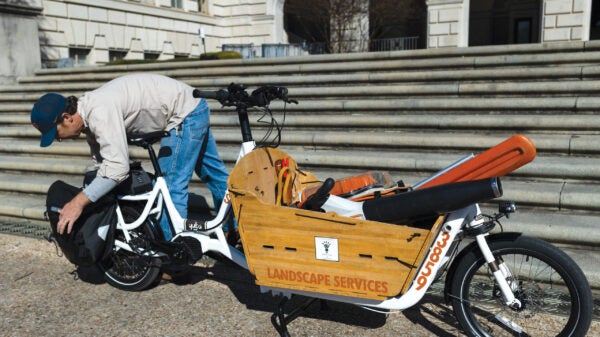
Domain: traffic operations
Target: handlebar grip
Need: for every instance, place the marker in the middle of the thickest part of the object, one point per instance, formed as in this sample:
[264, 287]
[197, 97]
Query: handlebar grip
[219, 95]
[205, 94]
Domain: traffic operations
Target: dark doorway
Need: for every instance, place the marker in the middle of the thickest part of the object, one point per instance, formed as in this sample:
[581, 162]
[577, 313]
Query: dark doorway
[393, 24]
[397, 24]
[307, 22]
[496, 22]
[595, 21]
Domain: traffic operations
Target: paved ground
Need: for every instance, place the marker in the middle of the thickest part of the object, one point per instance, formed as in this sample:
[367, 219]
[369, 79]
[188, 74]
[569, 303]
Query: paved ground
[38, 297]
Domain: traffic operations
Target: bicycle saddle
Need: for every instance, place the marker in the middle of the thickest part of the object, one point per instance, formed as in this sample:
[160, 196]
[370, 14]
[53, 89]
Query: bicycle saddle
[147, 139]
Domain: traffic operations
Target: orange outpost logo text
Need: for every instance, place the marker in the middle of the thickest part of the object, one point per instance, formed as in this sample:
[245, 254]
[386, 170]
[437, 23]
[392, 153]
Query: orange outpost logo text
[434, 258]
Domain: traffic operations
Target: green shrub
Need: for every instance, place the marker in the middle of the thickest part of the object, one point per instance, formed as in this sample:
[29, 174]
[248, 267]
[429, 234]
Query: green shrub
[221, 55]
[123, 61]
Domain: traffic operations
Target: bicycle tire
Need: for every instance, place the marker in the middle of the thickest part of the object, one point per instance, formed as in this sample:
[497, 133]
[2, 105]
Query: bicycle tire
[130, 271]
[555, 295]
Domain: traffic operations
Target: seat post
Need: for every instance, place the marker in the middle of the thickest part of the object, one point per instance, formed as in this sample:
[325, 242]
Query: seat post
[154, 160]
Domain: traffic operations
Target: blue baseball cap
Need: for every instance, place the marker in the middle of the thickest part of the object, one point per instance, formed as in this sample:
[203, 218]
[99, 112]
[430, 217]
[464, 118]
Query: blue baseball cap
[45, 115]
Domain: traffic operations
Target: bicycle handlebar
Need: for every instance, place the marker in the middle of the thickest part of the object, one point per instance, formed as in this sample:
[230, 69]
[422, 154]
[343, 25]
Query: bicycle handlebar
[236, 95]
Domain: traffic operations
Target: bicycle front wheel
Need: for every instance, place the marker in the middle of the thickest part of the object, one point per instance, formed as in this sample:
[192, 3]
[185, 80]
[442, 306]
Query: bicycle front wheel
[555, 296]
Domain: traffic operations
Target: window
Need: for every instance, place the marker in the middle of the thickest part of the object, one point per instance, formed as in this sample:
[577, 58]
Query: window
[181, 56]
[78, 55]
[595, 21]
[177, 3]
[114, 55]
[151, 56]
[523, 30]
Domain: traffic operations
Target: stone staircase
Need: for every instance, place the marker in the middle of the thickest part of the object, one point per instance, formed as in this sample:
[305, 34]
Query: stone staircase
[411, 113]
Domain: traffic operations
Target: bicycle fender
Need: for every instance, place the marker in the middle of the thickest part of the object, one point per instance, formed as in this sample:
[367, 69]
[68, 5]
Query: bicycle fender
[473, 248]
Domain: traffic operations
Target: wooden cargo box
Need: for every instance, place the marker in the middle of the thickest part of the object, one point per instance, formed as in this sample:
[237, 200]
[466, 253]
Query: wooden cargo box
[288, 247]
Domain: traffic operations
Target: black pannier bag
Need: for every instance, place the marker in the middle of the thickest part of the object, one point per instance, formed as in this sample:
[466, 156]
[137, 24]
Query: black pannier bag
[92, 236]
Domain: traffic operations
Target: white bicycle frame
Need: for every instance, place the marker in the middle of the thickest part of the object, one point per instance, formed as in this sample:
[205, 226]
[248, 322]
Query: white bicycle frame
[437, 257]
[160, 196]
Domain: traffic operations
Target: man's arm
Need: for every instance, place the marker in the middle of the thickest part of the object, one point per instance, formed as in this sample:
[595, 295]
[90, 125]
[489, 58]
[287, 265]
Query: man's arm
[72, 210]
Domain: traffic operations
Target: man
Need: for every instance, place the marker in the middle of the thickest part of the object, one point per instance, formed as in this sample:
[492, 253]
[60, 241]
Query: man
[133, 105]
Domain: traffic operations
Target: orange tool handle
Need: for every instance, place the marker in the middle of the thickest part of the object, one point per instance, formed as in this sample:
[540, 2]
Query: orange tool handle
[497, 161]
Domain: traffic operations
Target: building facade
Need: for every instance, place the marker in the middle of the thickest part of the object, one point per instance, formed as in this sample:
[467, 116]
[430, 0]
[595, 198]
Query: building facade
[95, 32]
[77, 32]
[463, 23]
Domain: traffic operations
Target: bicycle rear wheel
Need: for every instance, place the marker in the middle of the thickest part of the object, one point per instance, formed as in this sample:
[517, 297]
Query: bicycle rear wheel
[128, 270]
[555, 295]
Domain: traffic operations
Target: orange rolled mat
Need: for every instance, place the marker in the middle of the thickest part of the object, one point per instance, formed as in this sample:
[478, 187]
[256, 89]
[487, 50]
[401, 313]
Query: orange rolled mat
[498, 161]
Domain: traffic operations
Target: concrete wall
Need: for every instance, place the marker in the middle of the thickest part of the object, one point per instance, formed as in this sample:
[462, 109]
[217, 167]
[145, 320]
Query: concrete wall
[566, 20]
[18, 39]
[448, 22]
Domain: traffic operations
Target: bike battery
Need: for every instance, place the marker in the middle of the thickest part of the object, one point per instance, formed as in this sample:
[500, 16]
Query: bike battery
[140, 182]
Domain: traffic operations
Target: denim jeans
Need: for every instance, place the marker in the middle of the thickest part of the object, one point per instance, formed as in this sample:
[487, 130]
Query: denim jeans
[178, 159]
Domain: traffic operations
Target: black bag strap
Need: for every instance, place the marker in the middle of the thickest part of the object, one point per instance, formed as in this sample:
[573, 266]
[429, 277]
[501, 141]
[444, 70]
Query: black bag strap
[110, 235]
[202, 152]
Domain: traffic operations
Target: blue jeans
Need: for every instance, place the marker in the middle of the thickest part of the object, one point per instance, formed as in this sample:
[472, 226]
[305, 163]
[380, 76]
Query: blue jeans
[178, 159]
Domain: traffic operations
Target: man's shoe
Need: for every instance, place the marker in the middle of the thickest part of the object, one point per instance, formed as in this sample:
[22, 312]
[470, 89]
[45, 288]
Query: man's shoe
[234, 239]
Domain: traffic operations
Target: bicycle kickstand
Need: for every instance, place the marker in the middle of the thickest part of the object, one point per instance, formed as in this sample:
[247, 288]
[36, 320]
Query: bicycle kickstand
[281, 321]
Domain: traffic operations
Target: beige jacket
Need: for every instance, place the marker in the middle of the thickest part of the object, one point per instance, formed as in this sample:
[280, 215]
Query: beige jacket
[130, 105]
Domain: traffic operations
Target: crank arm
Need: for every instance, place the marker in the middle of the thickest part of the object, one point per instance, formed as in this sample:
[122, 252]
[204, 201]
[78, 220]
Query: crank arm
[123, 245]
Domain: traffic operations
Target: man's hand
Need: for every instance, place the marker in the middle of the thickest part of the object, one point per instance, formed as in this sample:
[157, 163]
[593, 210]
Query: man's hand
[71, 212]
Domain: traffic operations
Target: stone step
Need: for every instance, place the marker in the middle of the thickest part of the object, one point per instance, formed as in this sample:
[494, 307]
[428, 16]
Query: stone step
[567, 104]
[575, 124]
[355, 91]
[544, 166]
[31, 174]
[335, 63]
[442, 140]
[564, 47]
[572, 46]
[435, 76]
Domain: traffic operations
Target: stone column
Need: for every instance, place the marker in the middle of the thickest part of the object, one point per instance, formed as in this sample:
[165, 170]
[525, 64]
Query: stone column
[566, 20]
[136, 50]
[448, 23]
[275, 9]
[19, 39]
[99, 52]
[167, 51]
